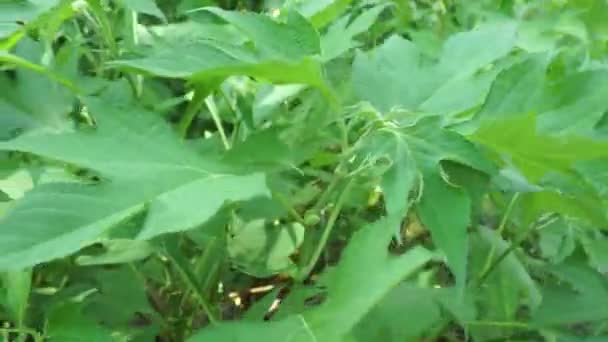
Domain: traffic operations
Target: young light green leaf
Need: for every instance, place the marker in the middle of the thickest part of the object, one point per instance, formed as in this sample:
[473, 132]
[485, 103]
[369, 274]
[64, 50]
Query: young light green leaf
[536, 154]
[147, 166]
[322, 12]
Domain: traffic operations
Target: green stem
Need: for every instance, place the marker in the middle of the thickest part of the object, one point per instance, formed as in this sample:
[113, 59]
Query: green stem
[215, 114]
[500, 230]
[337, 177]
[105, 26]
[18, 61]
[518, 325]
[183, 267]
[193, 108]
[290, 209]
[305, 271]
[484, 275]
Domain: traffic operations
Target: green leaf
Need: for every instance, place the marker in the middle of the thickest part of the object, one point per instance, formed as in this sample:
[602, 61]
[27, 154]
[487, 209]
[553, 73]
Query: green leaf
[67, 323]
[19, 110]
[322, 12]
[340, 36]
[144, 6]
[594, 172]
[577, 303]
[415, 153]
[569, 105]
[118, 251]
[535, 154]
[509, 286]
[516, 90]
[262, 250]
[556, 241]
[597, 250]
[365, 262]
[280, 52]
[446, 212]
[292, 329]
[147, 167]
[405, 314]
[119, 299]
[397, 74]
[12, 11]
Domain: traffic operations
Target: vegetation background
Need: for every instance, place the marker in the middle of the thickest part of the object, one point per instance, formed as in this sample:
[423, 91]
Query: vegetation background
[315, 170]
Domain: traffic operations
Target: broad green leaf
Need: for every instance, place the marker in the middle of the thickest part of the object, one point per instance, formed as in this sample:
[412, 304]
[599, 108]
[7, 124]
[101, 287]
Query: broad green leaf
[595, 172]
[67, 323]
[446, 211]
[397, 74]
[13, 11]
[365, 262]
[414, 154]
[17, 286]
[280, 52]
[144, 6]
[568, 105]
[537, 154]
[509, 287]
[119, 299]
[516, 90]
[575, 303]
[340, 36]
[292, 329]
[407, 313]
[146, 167]
[598, 253]
[19, 110]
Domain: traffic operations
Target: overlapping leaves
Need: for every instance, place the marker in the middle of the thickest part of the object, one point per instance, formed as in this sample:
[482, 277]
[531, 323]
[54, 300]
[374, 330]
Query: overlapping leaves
[142, 165]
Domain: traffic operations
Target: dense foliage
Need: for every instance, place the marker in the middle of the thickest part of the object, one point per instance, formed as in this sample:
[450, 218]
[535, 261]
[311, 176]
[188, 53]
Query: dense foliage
[315, 170]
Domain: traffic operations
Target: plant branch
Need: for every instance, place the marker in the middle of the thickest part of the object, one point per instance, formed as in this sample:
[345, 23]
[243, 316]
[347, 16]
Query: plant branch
[305, 271]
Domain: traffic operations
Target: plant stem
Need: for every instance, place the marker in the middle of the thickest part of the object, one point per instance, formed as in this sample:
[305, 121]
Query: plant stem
[519, 325]
[183, 267]
[500, 230]
[290, 209]
[216, 119]
[193, 108]
[305, 271]
[484, 275]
